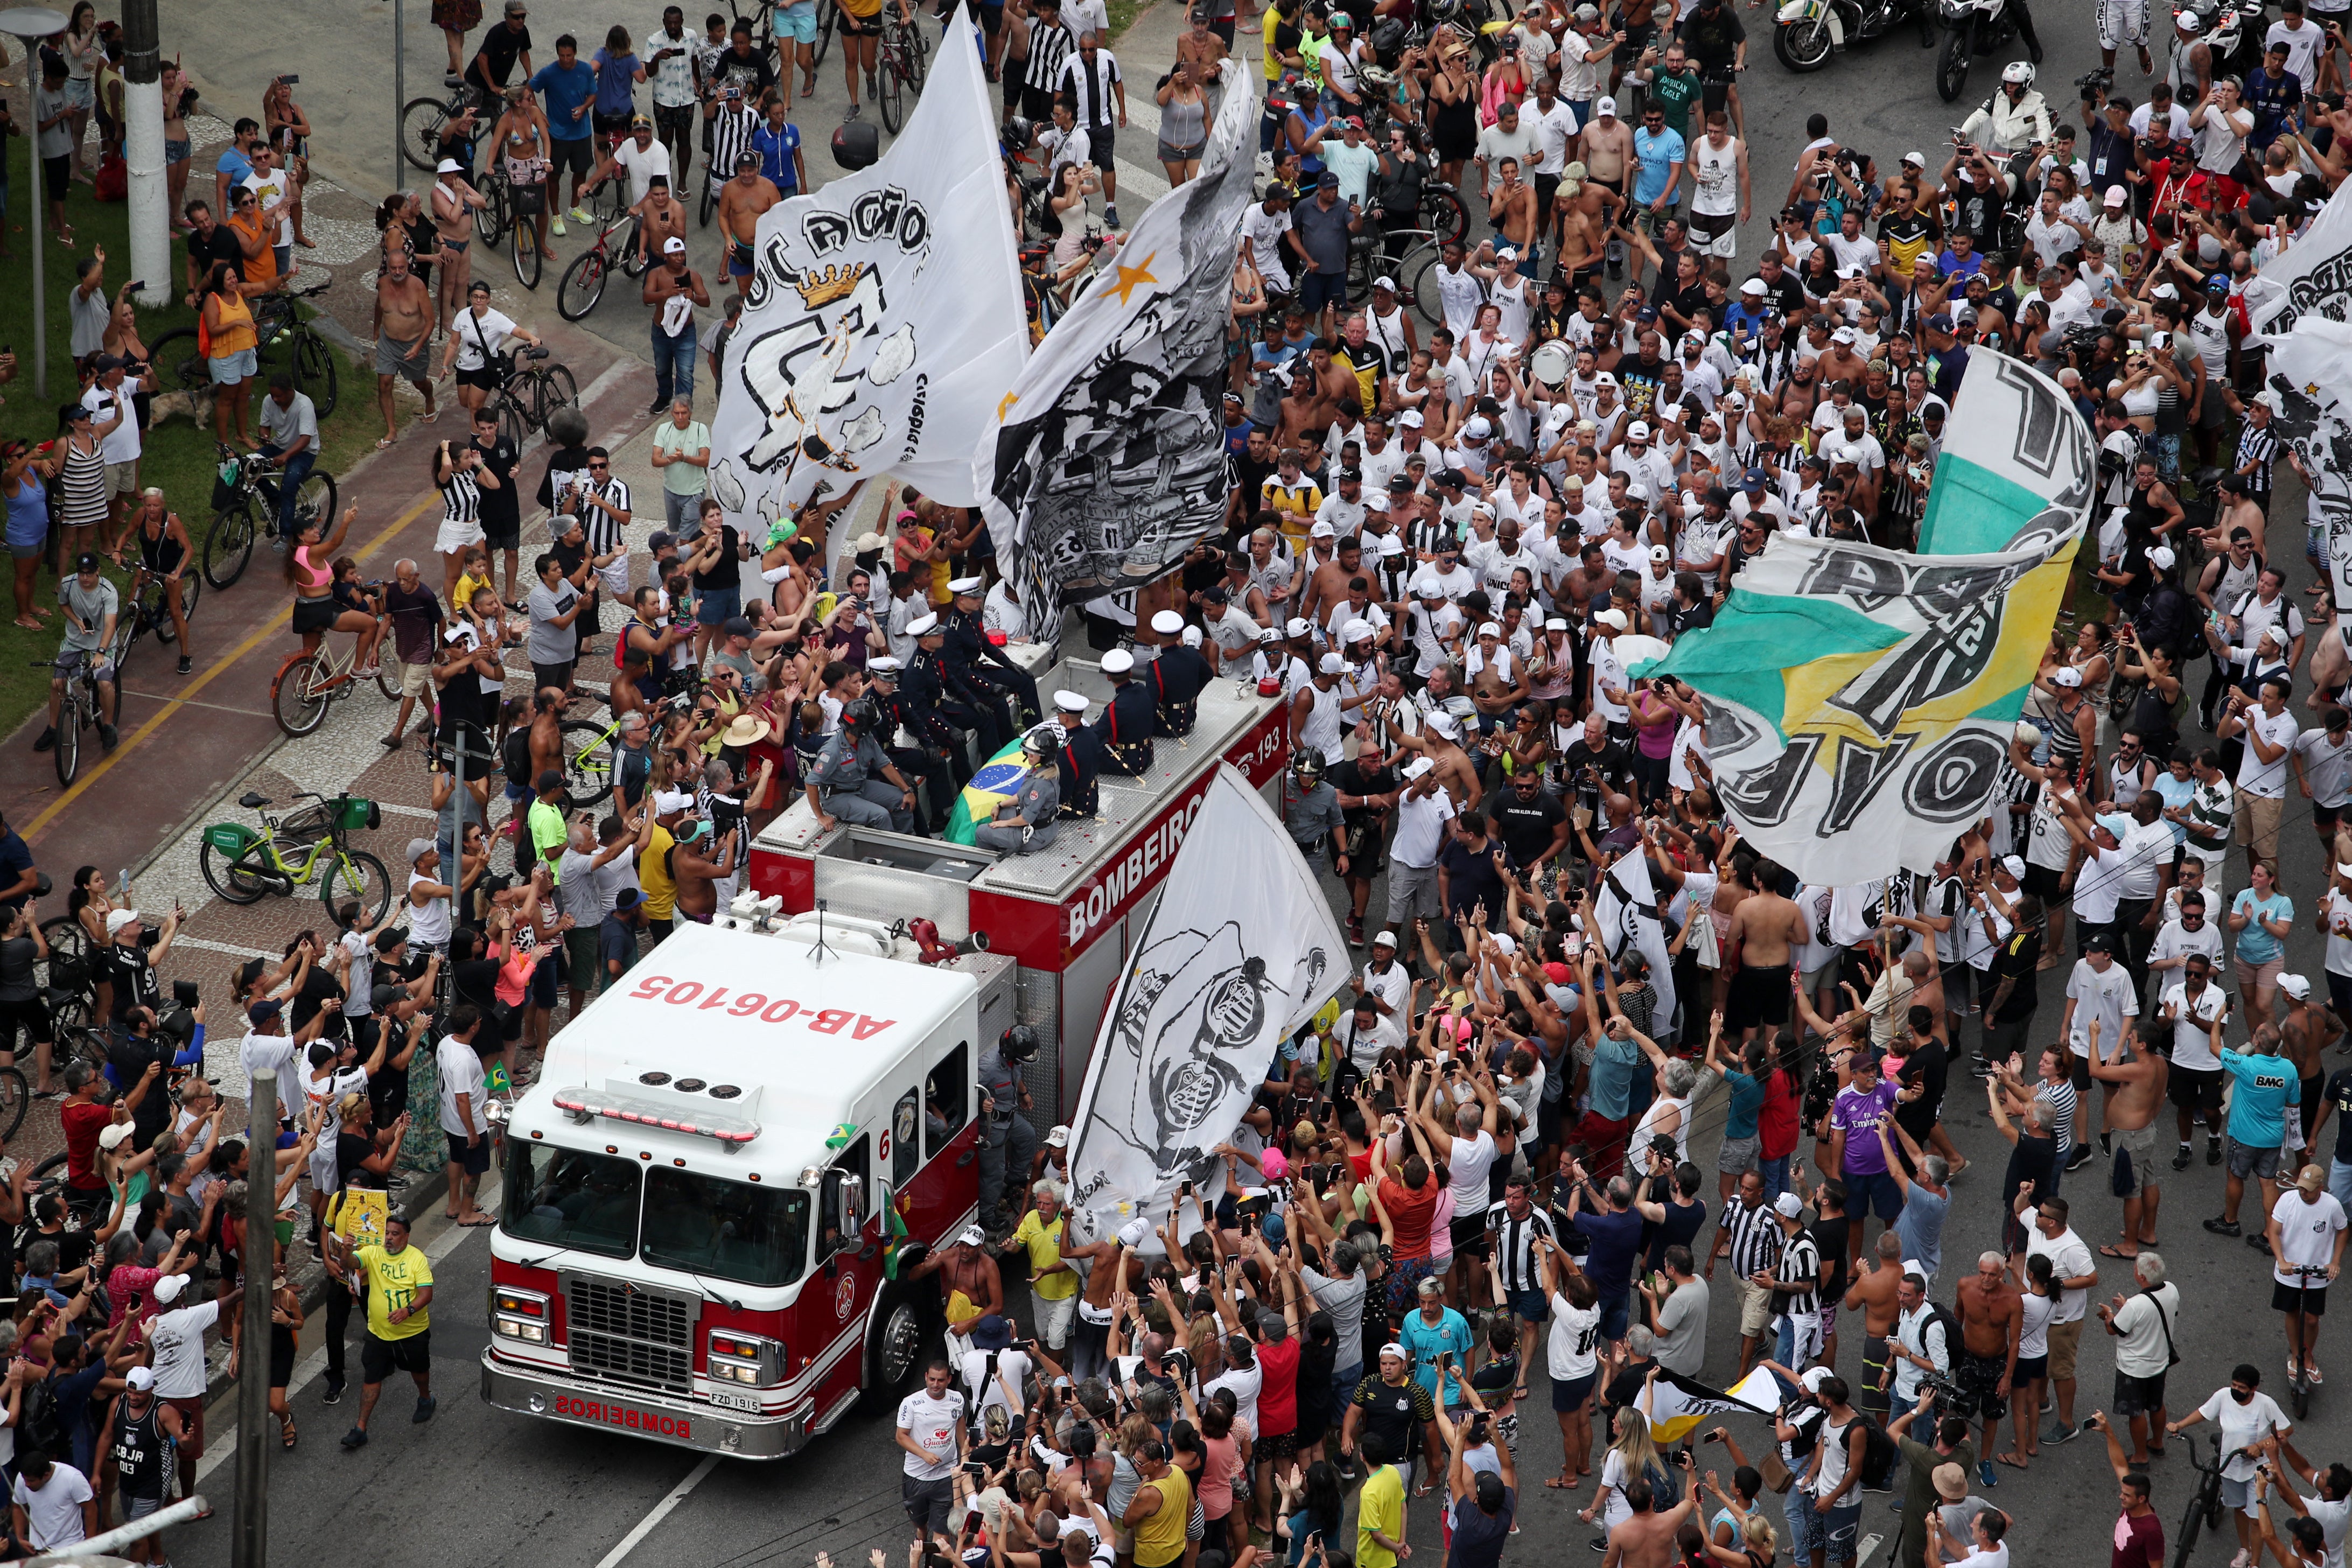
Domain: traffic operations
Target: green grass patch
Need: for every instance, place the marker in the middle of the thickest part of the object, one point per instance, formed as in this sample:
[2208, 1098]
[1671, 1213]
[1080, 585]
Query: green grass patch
[1123, 13]
[179, 455]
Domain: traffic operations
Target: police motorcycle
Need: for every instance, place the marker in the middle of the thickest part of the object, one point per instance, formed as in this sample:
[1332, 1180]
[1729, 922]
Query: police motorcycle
[1806, 32]
[1973, 28]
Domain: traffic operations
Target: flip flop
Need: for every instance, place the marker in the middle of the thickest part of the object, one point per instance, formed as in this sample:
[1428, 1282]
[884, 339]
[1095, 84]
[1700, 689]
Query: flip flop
[1556, 1484]
[1519, 1393]
[477, 1224]
[2111, 1252]
[384, 441]
[2011, 1459]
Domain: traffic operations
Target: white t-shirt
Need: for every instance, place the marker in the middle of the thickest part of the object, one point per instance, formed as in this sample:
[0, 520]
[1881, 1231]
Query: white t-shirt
[2242, 1426]
[2256, 776]
[2069, 1259]
[2192, 1044]
[53, 1514]
[2110, 998]
[268, 188]
[1013, 1368]
[2307, 1233]
[491, 328]
[1574, 1332]
[260, 1054]
[123, 443]
[642, 166]
[932, 1424]
[1246, 1381]
[177, 1339]
[1470, 1162]
[1264, 230]
[461, 1074]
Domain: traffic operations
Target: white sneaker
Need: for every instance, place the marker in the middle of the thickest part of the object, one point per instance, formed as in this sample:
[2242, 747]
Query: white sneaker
[2244, 1559]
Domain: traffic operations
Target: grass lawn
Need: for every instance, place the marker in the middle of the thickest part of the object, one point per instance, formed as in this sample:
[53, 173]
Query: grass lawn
[179, 455]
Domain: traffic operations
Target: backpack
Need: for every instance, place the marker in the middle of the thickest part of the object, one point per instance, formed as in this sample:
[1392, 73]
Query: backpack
[40, 1422]
[1879, 1452]
[518, 757]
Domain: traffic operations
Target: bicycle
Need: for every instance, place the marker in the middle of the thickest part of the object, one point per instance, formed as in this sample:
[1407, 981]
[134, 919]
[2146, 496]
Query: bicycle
[2205, 1507]
[491, 221]
[583, 280]
[148, 612]
[77, 710]
[529, 397]
[241, 483]
[591, 757]
[307, 683]
[421, 120]
[310, 359]
[523, 243]
[2299, 1383]
[242, 866]
[897, 65]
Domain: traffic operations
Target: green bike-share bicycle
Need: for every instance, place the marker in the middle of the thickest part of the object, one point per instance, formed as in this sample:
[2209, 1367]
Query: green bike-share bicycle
[311, 845]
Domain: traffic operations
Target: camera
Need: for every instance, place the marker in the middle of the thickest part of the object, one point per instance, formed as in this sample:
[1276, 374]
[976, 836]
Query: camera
[2094, 82]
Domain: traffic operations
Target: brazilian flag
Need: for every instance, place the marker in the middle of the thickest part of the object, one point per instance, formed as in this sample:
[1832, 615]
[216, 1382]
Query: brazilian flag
[999, 780]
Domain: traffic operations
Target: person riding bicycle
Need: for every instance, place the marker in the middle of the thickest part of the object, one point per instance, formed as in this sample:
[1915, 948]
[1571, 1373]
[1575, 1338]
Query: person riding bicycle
[164, 553]
[91, 607]
[635, 155]
[309, 572]
[477, 343]
[2014, 119]
[525, 146]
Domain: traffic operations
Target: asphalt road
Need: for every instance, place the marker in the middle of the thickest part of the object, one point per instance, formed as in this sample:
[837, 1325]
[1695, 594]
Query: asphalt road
[497, 1489]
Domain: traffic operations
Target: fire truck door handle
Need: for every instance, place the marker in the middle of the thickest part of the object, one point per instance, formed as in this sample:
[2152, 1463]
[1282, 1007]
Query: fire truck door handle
[967, 1157]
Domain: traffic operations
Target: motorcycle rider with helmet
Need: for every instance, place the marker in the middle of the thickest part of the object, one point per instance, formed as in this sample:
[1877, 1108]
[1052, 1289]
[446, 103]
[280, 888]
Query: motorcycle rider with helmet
[2014, 120]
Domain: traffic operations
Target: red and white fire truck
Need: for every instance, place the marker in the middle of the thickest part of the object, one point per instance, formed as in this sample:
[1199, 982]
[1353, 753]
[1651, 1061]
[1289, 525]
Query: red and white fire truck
[699, 1188]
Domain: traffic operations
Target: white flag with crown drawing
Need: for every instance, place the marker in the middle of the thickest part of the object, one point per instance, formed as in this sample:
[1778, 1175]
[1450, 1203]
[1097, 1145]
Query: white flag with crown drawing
[882, 320]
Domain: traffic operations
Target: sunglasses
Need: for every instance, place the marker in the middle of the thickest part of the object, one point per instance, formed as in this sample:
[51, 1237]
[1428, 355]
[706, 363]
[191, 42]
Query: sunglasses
[593, 466]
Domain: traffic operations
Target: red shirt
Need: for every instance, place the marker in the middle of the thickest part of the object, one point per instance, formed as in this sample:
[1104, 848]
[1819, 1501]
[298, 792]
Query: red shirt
[83, 1122]
[2139, 1543]
[1776, 1123]
[1277, 1393]
[1408, 1213]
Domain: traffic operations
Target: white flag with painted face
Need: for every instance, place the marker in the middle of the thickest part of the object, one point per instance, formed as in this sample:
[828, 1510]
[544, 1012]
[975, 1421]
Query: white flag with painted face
[1628, 911]
[2310, 374]
[1223, 969]
[883, 319]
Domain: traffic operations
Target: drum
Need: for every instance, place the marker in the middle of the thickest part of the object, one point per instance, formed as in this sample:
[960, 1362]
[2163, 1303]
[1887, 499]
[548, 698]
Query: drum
[1550, 363]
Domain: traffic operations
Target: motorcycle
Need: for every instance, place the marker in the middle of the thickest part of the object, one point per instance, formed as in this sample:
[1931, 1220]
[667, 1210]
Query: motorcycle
[1806, 32]
[1973, 28]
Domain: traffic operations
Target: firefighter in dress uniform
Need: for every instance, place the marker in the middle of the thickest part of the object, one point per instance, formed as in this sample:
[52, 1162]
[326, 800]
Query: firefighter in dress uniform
[1179, 675]
[922, 764]
[1008, 1145]
[939, 718]
[1129, 719]
[978, 672]
[1079, 758]
[847, 780]
[1030, 820]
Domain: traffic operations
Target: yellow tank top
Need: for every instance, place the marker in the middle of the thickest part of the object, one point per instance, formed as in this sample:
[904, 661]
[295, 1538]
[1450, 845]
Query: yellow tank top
[653, 876]
[1160, 1539]
[235, 333]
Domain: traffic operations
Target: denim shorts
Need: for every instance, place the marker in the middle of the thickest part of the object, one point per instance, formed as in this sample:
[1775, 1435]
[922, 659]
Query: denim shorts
[797, 22]
[227, 370]
[717, 607]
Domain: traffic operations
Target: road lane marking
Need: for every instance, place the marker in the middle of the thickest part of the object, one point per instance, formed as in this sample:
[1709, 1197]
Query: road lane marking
[678, 1494]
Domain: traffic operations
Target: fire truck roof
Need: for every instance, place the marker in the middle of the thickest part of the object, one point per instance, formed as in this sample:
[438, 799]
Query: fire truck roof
[733, 1041]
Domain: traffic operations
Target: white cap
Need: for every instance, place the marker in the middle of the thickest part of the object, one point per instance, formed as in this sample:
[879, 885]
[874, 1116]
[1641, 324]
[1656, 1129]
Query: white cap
[671, 800]
[1916, 160]
[1490, 629]
[1384, 939]
[967, 586]
[1446, 724]
[972, 1235]
[1638, 431]
[2116, 196]
[1331, 664]
[1660, 553]
[1612, 618]
[2014, 864]
[1754, 285]
[1555, 623]
[1167, 622]
[1390, 546]
[1476, 429]
[1788, 1206]
[1606, 378]
[922, 626]
[1191, 637]
[882, 664]
[1410, 416]
[1355, 631]
[1606, 105]
[117, 919]
[1059, 1138]
[673, 247]
[169, 1288]
[115, 1136]
[1417, 767]
[1843, 335]
[1387, 283]
[1134, 1234]
[448, 166]
[1322, 531]
[2297, 986]
[1296, 628]
[1117, 661]
[1069, 702]
[2067, 677]
[2161, 558]
[142, 1378]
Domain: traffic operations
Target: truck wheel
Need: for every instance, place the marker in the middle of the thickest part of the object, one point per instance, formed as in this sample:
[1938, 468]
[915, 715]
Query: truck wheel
[894, 1349]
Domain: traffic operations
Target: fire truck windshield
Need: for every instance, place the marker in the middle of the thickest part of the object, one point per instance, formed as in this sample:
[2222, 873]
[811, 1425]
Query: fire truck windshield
[704, 1224]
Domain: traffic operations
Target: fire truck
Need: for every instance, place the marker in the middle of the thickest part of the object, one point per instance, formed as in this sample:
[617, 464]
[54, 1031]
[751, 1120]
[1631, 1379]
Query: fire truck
[729, 1159]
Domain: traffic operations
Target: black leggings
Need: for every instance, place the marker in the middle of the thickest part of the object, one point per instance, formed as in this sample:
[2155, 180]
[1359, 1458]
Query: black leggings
[339, 1319]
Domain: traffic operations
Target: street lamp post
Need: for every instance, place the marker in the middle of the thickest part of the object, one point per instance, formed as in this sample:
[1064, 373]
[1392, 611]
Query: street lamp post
[31, 24]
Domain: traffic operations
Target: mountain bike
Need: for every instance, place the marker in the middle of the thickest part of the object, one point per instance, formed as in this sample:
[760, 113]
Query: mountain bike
[77, 710]
[245, 497]
[899, 64]
[312, 844]
[307, 683]
[2205, 1506]
[583, 280]
[531, 396]
[310, 358]
[523, 242]
[148, 611]
[421, 120]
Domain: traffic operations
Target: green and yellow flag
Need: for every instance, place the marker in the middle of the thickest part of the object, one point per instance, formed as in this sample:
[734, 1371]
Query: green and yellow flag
[999, 780]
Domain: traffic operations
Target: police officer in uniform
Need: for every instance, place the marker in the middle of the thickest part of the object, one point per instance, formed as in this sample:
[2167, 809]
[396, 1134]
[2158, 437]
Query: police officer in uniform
[1179, 675]
[1127, 723]
[1031, 820]
[930, 771]
[1310, 808]
[1007, 1142]
[1080, 763]
[847, 781]
[979, 673]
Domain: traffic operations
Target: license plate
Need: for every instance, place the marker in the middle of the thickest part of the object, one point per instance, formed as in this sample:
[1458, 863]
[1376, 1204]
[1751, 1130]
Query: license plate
[730, 1399]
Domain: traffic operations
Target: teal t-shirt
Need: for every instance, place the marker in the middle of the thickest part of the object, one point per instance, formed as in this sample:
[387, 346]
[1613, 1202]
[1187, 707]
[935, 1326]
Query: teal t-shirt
[2258, 1109]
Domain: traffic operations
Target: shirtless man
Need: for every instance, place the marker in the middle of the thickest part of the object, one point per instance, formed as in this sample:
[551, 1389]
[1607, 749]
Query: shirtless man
[2304, 1031]
[403, 328]
[1499, 683]
[741, 202]
[697, 875]
[1876, 1290]
[1607, 148]
[1440, 742]
[1992, 1316]
[455, 203]
[1765, 929]
[546, 734]
[1583, 209]
[970, 1286]
[1511, 206]
[2136, 1091]
[661, 217]
[1106, 1267]
[1328, 584]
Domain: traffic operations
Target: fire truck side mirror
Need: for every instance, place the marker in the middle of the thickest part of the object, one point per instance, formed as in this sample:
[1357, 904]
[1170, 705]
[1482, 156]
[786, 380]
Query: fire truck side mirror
[853, 1203]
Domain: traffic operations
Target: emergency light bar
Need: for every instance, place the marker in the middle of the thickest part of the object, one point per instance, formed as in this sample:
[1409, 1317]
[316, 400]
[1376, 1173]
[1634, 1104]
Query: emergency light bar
[583, 1103]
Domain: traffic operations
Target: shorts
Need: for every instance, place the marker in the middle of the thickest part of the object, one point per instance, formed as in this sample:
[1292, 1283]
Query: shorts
[415, 679]
[1404, 1289]
[2311, 1303]
[454, 533]
[927, 1501]
[1715, 234]
[470, 1155]
[2259, 1163]
[2030, 1369]
[1054, 1320]
[122, 479]
[2066, 1340]
[192, 1422]
[1167, 151]
[2042, 882]
[556, 675]
[2257, 815]
[140, 1507]
[2239, 1496]
[57, 173]
[315, 615]
[1735, 1157]
[1977, 1387]
[798, 23]
[2137, 1396]
[2140, 1145]
[1568, 1397]
[609, 124]
[578, 155]
[1759, 994]
[1277, 1446]
[416, 366]
[81, 92]
[485, 376]
[717, 607]
[227, 370]
[178, 152]
[1869, 1396]
[2196, 1088]
[380, 1357]
[1102, 147]
[2262, 976]
[1616, 1312]
[1470, 1235]
[1316, 289]
[1873, 1192]
[1756, 1311]
[580, 960]
[1532, 1306]
[67, 661]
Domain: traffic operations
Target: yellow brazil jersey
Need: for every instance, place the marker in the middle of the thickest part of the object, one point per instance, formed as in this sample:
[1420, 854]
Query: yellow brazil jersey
[1269, 24]
[654, 878]
[1367, 371]
[394, 1280]
[1044, 1245]
[1297, 505]
[467, 584]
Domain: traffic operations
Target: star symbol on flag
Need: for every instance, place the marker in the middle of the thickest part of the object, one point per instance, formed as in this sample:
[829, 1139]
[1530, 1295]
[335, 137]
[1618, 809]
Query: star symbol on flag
[1131, 277]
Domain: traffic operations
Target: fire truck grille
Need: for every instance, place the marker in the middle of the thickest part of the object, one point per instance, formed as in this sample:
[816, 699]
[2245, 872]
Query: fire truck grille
[620, 1332]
